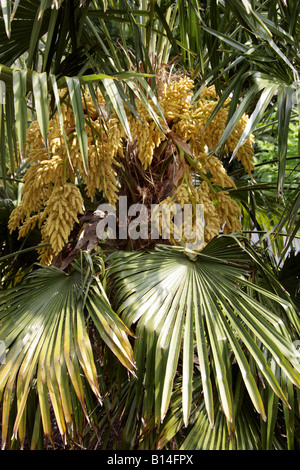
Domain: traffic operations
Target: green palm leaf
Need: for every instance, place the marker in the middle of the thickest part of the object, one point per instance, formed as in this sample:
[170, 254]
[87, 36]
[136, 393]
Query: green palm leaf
[6, 12]
[40, 92]
[180, 300]
[43, 324]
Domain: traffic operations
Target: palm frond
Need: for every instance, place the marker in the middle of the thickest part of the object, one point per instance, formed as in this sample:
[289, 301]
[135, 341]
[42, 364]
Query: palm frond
[202, 304]
[45, 329]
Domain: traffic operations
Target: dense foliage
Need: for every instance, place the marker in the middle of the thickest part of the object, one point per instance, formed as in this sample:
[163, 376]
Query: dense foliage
[148, 344]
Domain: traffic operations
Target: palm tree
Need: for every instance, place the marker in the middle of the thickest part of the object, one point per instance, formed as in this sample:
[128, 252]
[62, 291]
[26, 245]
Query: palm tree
[142, 343]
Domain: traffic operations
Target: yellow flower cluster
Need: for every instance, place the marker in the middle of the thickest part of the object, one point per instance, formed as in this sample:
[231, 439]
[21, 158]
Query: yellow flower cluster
[104, 137]
[52, 201]
[103, 151]
[62, 208]
[179, 226]
[205, 139]
[228, 212]
[221, 213]
[146, 133]
[176, 98]
[189, 118]
[37, 189]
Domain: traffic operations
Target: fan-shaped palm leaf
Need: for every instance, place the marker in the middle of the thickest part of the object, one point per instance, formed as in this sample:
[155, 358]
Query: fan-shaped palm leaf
[184, 302]
[44, 327]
